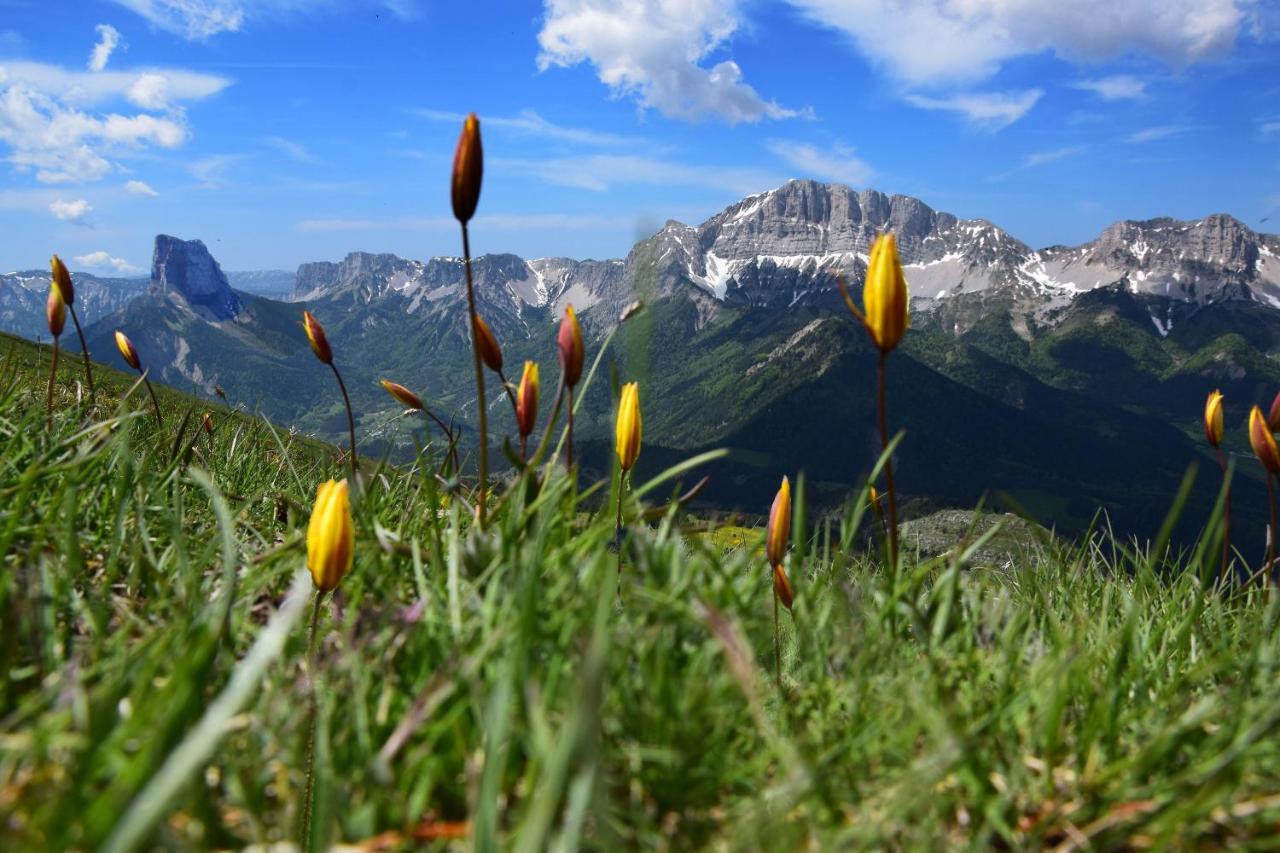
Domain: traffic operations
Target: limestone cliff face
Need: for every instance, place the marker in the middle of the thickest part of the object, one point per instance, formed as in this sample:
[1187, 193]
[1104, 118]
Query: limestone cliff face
[185, 268]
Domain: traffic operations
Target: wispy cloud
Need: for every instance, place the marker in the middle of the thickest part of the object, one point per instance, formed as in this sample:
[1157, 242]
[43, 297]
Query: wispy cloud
[198, 20]
[1040, 158]
[105, 261]
[108, 41]
[839, 164]
[140, 188]
[294, 150]
[1117, 87]
[600, 172]
[211, 171]
[1152, 134]
[1267, 128]
[530, 123]
[70, 211]
[987, 110]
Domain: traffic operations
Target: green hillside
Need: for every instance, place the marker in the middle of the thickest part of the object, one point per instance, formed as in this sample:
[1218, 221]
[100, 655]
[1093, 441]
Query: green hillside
[511, 688]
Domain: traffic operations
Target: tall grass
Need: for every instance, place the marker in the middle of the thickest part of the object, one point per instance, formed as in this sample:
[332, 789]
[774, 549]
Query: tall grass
[487, 686]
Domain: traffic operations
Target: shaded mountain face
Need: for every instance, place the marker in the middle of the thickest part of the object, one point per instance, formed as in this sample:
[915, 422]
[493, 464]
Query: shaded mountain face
[1067, 378]
[186, 269]
[23, 295]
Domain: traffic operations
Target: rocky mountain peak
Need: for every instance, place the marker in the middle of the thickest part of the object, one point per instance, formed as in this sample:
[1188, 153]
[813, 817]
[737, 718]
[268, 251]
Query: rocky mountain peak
[185, 268]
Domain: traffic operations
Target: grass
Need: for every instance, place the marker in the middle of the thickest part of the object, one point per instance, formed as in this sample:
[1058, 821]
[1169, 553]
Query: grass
[508, 689]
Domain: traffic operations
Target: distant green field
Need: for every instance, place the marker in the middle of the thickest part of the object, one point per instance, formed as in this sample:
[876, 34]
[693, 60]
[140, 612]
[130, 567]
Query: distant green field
[510, 688]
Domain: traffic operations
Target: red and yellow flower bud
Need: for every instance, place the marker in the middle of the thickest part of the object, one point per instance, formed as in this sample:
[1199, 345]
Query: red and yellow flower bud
[1273, 416]
[490, 352]
[778, 534]
[1213, 425]
[127, 350]
[207, 423]
[782, 587]
[468, 170]
[316, 337]
[1263, 442]
[55, 311]
[403, 395]
[330, 536]
[628, 426]
[62, 280]
[527, 399]
[569, 342]
[885, 301]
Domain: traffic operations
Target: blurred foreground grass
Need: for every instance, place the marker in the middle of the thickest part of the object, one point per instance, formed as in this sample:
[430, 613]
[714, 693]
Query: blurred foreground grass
[505, 690]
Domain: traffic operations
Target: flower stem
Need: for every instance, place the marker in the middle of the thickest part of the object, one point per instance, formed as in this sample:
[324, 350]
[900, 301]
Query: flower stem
[888, 465]
[448, 434]
[483, 414]
[777, 641]
[154, 402]
[53, 373]
[622, 486]
[312, 671]
[569, 457]
[1226, 521]
[84, 349]
[1271, 532]
[351, 421]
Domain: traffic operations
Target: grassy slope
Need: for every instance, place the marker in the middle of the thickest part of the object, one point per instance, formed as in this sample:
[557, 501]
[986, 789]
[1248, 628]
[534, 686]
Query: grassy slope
[498, 680]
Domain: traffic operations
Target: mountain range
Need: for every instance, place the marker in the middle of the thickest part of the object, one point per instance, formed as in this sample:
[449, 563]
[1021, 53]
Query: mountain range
[1063, 378]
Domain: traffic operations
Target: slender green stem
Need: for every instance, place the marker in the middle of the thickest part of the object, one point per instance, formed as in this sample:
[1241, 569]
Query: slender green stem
[777, 638]
[622, 487]
[481, 402]
[888, 464]
[524, 449]
[313, 711]
[569, 456]
[551, 422]
[84, 349]
[53, 374]
[506, 386]
[1226, 521]
[1271, 532]
[351, 422]
[448, 435]
[154, 402]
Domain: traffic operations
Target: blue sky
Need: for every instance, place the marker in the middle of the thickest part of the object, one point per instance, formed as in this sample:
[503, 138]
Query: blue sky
[285, 131]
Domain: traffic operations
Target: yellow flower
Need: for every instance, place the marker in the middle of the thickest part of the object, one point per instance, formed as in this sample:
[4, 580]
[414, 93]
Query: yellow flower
[468, 170]
[1263, 442]
[127, 350]
[316, 337]
[490, 352]
[403, 395]
[62, 280]
[569, 342]
[330, 536]
[1213, 426]
[527, 399]
[885, 302]
[779, 531]
[628, 426]
[55, 311]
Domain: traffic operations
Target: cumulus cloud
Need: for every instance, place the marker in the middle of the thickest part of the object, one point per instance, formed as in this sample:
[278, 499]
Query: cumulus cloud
[108, 41]
[105, 261]
[987, 110]
[656, 51]
[50, 124]
[839, 164]
[140, 188]
[932, 42]
[70, 211]
[1117, 87]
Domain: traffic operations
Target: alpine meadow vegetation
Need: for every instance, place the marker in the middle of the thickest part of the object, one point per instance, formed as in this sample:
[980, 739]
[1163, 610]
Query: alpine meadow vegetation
[217, 632]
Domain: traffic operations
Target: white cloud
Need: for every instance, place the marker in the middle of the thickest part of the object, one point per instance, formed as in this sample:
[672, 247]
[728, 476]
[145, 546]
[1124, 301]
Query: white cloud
[950, 42]
[108, 41]
[294, 150]
[1117, 87]
[46, 124]
[1040, 158]
[105, 261]
[989, 110]
[654, 50]
[140, 188]
[70, 211]
[192, 19]
[211, 171]
[530, 123]
[1269, 127]
[600, 172]
[839, 164]
[1152, 134]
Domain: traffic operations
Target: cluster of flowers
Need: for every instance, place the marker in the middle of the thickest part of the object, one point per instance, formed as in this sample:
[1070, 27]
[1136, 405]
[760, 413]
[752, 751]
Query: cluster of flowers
[1262, 440]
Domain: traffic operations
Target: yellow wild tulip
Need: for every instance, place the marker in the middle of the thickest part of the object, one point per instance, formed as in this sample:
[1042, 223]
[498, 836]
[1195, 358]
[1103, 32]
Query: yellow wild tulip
[55, 311]
[468, 170]
[317, 338]
[885, 302]
[1263, 442]
[490, 352]
[1273, 416]
[628, 426]
[779, 530]
[1213, 425]
[402, 395]
[127, 350]
[527, 400]
[330, 536]
[62, 280]
[569, 342]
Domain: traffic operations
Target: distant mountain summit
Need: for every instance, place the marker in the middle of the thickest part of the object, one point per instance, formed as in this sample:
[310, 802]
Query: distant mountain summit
[185, 268]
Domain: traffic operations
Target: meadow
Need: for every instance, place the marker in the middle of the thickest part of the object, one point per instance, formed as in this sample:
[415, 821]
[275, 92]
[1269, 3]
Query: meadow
[218, 633]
